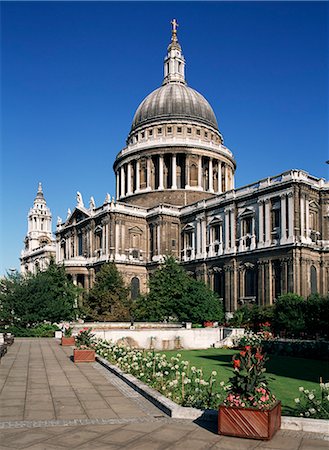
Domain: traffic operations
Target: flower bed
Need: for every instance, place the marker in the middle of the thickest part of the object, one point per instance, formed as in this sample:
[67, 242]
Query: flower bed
[174, 378]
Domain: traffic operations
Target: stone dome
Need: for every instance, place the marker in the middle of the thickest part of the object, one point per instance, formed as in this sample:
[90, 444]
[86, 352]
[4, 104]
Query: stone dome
[174, 101]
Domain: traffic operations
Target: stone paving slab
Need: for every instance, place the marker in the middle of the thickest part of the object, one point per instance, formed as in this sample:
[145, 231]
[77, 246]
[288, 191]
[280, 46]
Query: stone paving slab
[86, 407]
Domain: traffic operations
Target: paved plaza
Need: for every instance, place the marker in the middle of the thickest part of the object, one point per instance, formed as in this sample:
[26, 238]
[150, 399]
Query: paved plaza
[48, 402]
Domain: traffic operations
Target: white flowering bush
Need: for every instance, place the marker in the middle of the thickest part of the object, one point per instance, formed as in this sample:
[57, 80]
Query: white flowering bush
[313, 404]
[249, 338]
[173, 377]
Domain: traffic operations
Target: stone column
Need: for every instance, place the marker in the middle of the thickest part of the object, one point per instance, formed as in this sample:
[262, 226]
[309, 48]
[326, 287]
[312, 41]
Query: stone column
[173, 172]
[200, 172]
[137, 176]
[211, 176]
[226, 178]
[116, 241]
[302, 217]
[228, 307]
[158, 240]
[261, 223]
[291, 217]
[129, 190]
[283, 218]
[148, 175]
[307, 218]
[198, 238]
[203, 238]
[261, 288]
[232, 230]
[219, 191]
[227, 230]
[123, 243]
[160, 172]
[187, 172]
[193, 245]
[117, 184]
[122, 176]
[267, 222]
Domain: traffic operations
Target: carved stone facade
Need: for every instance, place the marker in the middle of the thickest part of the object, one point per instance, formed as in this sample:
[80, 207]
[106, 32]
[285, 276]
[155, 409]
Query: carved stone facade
[175, 195]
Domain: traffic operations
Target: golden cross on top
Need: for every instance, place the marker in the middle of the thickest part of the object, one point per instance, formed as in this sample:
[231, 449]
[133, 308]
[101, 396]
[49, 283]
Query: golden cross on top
[174, 26]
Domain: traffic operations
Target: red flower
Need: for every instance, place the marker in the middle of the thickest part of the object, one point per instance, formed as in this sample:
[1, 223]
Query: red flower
[259, 356]
[247, 347]
[236, 363]
[242, 353]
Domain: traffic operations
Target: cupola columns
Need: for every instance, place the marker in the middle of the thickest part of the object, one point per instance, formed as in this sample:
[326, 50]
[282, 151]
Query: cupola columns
[174, 63]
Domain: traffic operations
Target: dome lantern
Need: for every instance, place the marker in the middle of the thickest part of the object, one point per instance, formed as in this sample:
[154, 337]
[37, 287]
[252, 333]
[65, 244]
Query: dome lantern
[174, 63]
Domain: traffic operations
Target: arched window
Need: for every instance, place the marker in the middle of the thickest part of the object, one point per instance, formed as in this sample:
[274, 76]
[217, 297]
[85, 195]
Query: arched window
[314, 284]
[135, 288]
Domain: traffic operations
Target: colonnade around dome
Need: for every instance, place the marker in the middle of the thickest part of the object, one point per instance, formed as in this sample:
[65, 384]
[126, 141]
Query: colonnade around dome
[173, 171]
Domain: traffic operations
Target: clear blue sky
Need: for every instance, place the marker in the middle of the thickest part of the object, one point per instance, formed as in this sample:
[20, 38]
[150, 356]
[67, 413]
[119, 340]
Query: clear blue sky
[74, 73]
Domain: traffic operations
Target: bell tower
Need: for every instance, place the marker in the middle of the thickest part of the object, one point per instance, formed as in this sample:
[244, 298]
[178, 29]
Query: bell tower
[39, 238]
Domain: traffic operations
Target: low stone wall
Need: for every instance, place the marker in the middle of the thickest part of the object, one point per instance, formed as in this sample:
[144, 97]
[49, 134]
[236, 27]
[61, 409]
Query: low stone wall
[171, 339]
[126, 325]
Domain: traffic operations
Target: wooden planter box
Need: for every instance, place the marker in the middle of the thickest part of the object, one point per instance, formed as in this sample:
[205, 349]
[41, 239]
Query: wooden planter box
[249, 423]
[83, 355]
[67, 340]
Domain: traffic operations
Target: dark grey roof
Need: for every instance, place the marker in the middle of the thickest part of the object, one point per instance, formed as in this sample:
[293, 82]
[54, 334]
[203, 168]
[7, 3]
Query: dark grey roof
[174, 101]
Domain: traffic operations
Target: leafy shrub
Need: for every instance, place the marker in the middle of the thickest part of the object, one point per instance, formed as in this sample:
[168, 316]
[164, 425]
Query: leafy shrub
[251, 317]
[41, 330]
[298, 348]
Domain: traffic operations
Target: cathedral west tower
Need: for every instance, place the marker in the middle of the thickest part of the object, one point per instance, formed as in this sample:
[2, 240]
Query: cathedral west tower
[39, 242]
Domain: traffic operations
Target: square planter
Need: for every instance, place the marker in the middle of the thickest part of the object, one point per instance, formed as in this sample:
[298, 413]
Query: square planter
[248, 422]
[67, 340]
[83, 355]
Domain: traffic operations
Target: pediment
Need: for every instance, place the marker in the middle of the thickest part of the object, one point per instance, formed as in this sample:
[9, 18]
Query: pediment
[247, 212]
[216, 220]
[188, 227]
[135, 230]
[78, 215]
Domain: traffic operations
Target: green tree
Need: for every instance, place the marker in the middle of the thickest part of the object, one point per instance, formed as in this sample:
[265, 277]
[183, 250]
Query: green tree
[108, 299]
[174, 295]
[34, 298]
[289, 314]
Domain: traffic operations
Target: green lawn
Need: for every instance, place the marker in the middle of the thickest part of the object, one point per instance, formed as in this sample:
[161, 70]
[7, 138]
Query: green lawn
[288, 373]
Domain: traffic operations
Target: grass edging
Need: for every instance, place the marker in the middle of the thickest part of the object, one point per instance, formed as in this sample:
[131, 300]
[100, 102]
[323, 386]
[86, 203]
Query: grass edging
[182, 412]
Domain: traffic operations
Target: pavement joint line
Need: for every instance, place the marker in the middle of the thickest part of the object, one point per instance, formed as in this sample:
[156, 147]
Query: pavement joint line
[73, 422]
[128, 391]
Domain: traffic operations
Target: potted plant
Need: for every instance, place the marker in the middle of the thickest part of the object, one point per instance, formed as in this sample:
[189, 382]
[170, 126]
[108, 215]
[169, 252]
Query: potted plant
[84, 342]
[249, 410]
[68, 339]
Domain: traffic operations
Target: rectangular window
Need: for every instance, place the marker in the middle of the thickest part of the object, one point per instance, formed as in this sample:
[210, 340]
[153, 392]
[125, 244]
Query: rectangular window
[217, 233]
[143, 134]
[159, 130]
[150, 132]
[198, 132]
[169, 129]
[80, 245]
[205, 134]
[179, 129]
[189, 130]
[173, 243]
